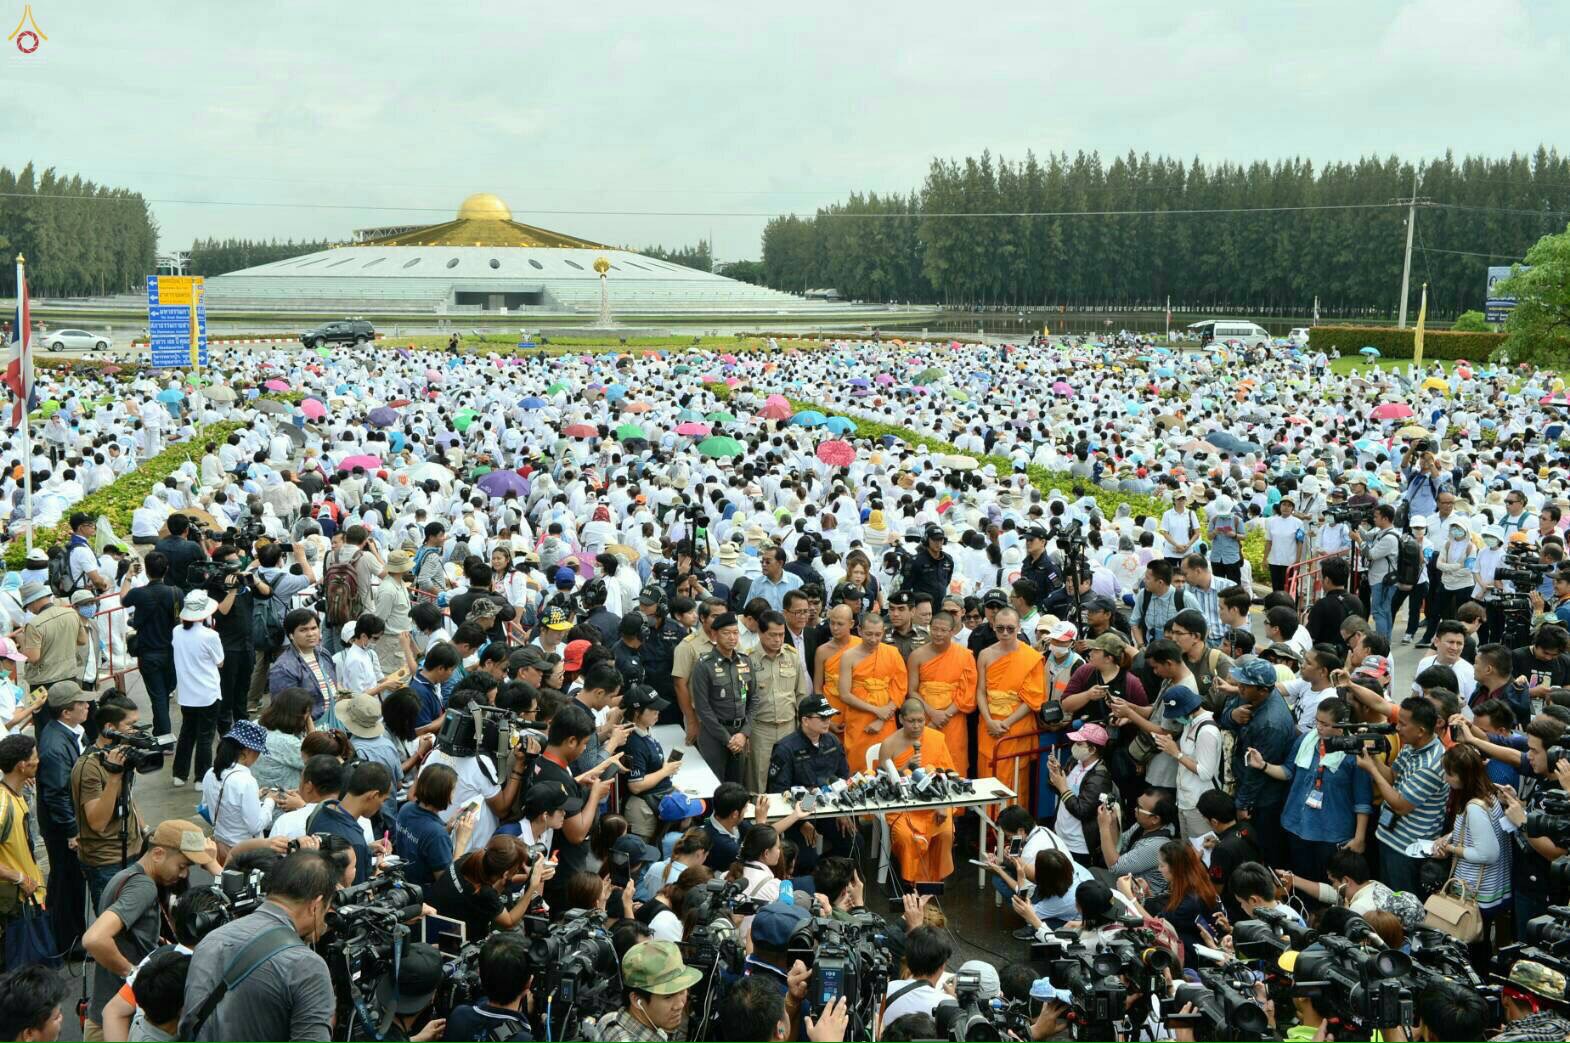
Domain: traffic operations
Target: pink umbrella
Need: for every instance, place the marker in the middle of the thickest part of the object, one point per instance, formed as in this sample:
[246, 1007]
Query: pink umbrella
[729, 360]
[580, 431]
[777, 400]
[836, 453]
[775, 411]
[370, 463]
[884, 379]
[276, 385]
[693, 428]
[313, 408]
[1392, 411]
[637, 407]
[1062, 388]
[434, 376]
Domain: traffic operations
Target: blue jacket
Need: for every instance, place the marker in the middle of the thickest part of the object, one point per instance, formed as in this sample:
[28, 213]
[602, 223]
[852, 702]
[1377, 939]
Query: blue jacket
[1345, 793]
[57, 754]
[1271, 731]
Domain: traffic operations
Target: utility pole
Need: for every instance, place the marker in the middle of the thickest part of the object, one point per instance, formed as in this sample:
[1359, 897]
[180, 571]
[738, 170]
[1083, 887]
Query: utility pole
[1411, 226]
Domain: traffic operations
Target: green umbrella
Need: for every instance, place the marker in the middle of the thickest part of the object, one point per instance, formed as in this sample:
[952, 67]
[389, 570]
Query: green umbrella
[626, 432]
[324, 352]
[50, 407]
[720, 416]
[463, 418]
[719, 445]
[957, 395]
[928, 375]
[679, 370]
[556, 388]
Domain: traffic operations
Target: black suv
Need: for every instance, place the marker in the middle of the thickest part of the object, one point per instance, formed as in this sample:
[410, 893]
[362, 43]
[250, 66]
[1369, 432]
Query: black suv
[349, 331]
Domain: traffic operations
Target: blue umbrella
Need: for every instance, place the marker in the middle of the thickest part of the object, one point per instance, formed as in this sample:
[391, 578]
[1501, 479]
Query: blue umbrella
[859, 382]
[1371, 351]
[382, 416]
[1231, 443]
[1165, 371]
[171, 395]
[499, 483]
[615, 391]
[840, 425]
[532, 402]
[808, 418]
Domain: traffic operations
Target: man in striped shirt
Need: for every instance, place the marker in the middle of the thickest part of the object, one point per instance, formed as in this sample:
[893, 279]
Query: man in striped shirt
[1413, 790]
[1202, 590]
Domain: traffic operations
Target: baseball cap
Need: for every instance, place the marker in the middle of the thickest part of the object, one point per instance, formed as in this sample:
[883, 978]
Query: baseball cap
[637, 852]
[1063, 631]
[10, 651]
[988, 974]
[1374, 665]
[64, 693]
[933, 531]
[1252, 670]
[847, 592]
[1109, 643]
[775, 923]
[556, 619]
[178, 834]
[1094, 734]
[1284, 651]
[573, 655]
[650, 595]
[1035, 532]
[565, 575]
[816, 706]
[544, 797]
[419, 975]
[1100, 603]
[994, 598]
[677, 806]
[643, 697]
[656, 967]
[1181, 700]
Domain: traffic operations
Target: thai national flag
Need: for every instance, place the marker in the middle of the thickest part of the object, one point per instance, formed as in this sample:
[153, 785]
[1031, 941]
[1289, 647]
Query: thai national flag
[19, 372]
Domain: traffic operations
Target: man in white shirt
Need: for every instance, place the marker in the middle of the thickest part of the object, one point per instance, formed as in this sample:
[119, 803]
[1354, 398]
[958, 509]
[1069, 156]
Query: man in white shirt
[1197, 750]
[1179, 529]
[1449, 643]
[927, 954]
[1312, 685]
[321, 779]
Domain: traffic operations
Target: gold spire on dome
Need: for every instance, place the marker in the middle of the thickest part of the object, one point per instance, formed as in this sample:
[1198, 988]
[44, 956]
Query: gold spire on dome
[482, 220]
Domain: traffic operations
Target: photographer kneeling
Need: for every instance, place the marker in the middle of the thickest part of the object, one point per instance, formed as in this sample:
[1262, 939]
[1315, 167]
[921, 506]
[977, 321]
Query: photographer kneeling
[289, 993]
[655, 982]
[505, 977]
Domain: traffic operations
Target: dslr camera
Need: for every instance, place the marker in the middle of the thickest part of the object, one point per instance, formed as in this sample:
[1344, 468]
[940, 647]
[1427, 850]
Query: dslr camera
[142, 753]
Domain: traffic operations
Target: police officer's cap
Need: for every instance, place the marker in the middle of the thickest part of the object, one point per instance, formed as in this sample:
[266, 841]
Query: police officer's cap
[900, 598]
[934, 531]
[816, 706]
[1035, 532]
[651, 595]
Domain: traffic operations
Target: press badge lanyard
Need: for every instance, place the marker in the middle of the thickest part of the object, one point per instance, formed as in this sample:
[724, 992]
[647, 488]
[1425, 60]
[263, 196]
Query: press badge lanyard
[1316, 796]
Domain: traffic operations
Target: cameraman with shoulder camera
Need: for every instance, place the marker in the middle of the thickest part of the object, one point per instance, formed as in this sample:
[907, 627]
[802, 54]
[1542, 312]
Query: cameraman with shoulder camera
[505, 975]
[105, 812]
[287, 992]
[231, 589]
[1379, 547]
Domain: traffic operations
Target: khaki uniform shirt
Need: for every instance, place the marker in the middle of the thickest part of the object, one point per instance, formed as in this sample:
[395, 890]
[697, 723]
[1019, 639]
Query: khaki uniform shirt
[690, 649]
[54, 630]
[779, 684]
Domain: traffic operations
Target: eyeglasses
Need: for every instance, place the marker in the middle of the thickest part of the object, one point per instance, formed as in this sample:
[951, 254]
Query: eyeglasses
[1003, 630]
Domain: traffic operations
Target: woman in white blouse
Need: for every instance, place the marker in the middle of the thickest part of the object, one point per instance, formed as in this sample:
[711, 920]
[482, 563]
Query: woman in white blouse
[756, 862]
[235, 805]
[358, 666]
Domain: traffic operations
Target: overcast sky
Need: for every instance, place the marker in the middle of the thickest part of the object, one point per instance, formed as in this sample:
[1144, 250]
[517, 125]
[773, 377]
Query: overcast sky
[629, 124]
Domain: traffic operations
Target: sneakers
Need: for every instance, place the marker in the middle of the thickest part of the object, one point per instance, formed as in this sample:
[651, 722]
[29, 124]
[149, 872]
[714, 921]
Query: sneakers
[1406, 639]
[166, 740]
[1025, 933]
[177, 782]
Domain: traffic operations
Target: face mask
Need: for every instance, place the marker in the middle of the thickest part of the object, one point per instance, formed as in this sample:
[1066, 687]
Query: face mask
[1456, 534]
[1491, 543]
[1081, 751]
[1059, 651]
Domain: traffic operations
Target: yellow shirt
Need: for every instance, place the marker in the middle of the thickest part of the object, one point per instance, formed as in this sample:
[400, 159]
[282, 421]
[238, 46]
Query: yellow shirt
[16, 849]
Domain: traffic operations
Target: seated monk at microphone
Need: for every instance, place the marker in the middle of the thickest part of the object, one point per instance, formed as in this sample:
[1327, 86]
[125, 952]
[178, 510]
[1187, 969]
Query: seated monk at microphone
[923, 841]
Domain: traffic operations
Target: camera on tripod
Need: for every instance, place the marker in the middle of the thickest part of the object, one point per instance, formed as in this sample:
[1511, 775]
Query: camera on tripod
[143, 754]
[1356, 515]
[575, 963]
[1522, 567]
[848, 958]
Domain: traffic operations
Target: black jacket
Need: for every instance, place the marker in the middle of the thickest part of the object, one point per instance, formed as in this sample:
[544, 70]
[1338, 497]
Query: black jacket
[57, 754]
[1087, 803]
[930, 575]
[811, 639]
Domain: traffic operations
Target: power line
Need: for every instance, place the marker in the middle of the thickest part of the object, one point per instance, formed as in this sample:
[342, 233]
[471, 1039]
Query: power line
[1472, 253]
[1500, 210]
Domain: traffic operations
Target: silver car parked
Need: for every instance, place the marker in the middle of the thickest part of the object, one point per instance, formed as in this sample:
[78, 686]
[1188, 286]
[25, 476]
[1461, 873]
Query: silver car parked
[76, 340]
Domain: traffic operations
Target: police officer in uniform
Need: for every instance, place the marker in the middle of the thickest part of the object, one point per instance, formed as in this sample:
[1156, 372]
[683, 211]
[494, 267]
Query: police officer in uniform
[903, 634]
[1038, 566]
[721, 685]
[658, 652]
[812, 756]
[931, 568]
[780, 683]
[632, 635]
[591, 602]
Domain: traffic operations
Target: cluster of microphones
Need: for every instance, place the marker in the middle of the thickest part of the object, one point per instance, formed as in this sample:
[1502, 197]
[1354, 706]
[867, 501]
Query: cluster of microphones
[885, 785]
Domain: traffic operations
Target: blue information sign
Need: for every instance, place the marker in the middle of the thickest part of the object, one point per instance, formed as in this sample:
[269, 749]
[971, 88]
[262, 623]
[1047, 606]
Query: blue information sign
[170, 303]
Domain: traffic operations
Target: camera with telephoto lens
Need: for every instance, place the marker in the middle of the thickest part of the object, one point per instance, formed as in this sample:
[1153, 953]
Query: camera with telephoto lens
[1359, 737]
[1522, 567]
[206, 573]
[965, 1019]
[367, 928]
[575, 964]
[1356, 515]
[849, 958]
[143, 754]
[1224, 1005]
[1551, 815]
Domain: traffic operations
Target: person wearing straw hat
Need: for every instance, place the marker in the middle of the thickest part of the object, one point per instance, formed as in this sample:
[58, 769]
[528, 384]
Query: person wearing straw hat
[198, 663]
[392, 604]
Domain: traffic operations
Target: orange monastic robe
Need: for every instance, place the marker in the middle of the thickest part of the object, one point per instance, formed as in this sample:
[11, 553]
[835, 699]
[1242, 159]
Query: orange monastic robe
[923, 844]
[880, 679]
[950, 680]
[831, 691]
[1011, 679]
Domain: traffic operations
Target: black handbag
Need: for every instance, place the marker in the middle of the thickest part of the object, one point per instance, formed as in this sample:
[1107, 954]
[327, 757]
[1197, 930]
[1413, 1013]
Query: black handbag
[29, 938]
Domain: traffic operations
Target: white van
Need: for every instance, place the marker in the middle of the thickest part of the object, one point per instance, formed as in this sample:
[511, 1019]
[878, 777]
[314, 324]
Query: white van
[1246, 334]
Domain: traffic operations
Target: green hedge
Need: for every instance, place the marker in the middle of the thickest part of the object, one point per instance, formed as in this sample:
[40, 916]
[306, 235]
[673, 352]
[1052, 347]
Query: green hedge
[117, 500]
[1040, 477]
[1397, 343]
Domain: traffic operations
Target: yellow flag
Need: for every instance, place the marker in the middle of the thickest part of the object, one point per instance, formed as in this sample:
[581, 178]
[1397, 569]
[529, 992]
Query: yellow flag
[1417, 335]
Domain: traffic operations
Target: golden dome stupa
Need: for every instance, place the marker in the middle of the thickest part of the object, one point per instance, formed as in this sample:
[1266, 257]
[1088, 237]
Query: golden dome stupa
[483, 206]
[483, 219]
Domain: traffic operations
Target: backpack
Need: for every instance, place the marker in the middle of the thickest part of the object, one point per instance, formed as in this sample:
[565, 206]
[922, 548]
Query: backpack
[420, 557]
[341, 590]
[1144, 602]
[266, 620]
[1225, 778]
[60, 570]
[1409, 563]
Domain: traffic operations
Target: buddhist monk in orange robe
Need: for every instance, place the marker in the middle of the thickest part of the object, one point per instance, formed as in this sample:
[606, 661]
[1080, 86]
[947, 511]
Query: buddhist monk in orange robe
[872, 684]
[826, 670]
[1011, 688]
[943, 674]
[923, 841]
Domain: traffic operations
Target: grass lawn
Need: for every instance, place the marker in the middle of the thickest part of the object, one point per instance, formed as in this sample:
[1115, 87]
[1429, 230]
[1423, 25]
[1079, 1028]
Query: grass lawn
[1357, 363]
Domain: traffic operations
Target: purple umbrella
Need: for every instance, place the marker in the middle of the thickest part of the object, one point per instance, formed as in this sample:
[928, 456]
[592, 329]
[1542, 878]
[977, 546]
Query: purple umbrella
[382, 416]
[447, 438]
[499, 483]
[859, 382]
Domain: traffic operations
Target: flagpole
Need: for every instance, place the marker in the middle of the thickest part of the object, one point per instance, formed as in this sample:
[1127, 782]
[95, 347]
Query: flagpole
[24, 336]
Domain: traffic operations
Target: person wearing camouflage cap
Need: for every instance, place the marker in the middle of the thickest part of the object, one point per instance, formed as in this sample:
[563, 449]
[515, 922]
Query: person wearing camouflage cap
[655, 982]
[1533, 998]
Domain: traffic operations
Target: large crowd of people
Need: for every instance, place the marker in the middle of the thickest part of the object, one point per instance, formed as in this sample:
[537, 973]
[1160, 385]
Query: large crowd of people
[438, 655]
